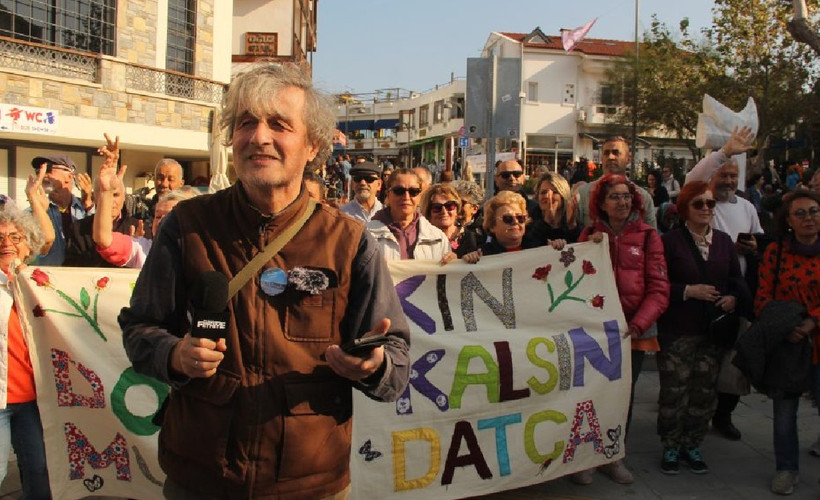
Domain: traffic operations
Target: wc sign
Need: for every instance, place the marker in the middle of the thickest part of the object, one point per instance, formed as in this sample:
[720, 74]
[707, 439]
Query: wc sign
[27, 119]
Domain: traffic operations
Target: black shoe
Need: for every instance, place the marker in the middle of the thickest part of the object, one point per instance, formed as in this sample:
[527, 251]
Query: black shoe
[670, 464]
[691, 456]
[726, 429]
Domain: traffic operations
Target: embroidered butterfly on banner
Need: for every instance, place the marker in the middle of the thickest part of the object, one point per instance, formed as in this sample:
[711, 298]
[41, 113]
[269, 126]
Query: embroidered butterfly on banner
[94, 483]
[614, 435]
[368, 453]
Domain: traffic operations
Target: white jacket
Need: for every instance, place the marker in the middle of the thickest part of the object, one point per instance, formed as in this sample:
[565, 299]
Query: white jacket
[432, 243]
[6, 301]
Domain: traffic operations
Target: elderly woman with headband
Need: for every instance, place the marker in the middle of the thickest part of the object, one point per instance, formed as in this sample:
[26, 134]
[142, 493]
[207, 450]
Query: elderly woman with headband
[636, 251]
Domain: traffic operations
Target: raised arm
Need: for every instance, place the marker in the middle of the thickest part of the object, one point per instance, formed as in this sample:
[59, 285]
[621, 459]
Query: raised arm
[104, 186]
[38, 199]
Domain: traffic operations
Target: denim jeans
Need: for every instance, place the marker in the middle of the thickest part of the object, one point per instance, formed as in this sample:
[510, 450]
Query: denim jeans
[786, 443]
[20, 427]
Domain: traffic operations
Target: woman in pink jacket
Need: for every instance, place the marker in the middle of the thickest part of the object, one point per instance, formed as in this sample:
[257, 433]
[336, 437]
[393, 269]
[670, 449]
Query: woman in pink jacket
[636, 251]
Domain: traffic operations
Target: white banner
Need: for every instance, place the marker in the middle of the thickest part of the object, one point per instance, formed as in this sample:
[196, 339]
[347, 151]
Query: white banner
[519, 375]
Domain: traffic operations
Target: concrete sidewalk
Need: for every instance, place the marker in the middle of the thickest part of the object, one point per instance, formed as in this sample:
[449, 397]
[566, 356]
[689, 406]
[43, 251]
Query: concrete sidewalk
[739, 470]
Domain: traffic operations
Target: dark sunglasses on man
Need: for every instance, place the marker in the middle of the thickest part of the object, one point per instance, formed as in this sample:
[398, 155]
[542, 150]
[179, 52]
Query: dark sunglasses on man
[370, 179]
[513, 173]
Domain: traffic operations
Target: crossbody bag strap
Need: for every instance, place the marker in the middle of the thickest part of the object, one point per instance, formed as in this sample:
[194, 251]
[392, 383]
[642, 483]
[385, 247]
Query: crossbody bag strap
[252, 267]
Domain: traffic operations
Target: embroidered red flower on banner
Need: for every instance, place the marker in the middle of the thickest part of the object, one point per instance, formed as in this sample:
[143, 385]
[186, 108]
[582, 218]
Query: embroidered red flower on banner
[38, 311]
[541, 273]
[597, 301]
[41, 278]
[588, 268]
[102, 282]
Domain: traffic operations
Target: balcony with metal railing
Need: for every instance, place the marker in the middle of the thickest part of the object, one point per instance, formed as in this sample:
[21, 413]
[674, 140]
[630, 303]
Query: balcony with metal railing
[37, 58]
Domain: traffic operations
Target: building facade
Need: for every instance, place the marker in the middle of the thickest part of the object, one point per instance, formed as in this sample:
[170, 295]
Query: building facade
[148, 71]
[567, 106]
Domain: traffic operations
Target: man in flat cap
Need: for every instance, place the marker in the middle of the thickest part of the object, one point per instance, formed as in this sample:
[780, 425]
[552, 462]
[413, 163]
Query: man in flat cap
[64, 209]
[367, 181]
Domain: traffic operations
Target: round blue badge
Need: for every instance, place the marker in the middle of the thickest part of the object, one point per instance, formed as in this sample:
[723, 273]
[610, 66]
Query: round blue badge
[273, 281]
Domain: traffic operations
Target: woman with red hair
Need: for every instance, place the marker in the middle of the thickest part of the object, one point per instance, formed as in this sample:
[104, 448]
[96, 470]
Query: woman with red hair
[704, 275]
[616, 207]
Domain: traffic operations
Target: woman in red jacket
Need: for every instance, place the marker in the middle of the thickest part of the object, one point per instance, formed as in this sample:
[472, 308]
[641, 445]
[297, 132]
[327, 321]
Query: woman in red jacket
[636, 251]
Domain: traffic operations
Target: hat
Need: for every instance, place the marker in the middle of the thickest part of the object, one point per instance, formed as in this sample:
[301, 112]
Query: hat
[366, 167]
[56, 160]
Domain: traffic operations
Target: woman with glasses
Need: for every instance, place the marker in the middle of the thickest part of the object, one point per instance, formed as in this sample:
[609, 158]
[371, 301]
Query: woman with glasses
[20, 241]
[401, 231]
[441, 205]
[704, 274]
[505, 219]
[616, 208]
[790, 271]
[555, 220]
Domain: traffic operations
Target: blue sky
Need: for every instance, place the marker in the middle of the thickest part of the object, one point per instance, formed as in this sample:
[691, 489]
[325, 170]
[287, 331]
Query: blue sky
[364, 45]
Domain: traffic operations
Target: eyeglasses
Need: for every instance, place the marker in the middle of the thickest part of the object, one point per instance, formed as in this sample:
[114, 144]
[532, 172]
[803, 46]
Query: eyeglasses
[449, 205]
[401, 191]
[370, 179]
[619, 196]
[699, 204]
[15, 238]
[513, 173]
[512, 219]
[802, 213]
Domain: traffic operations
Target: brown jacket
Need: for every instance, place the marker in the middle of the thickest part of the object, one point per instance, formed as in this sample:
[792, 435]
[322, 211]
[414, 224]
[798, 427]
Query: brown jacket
[275, 420]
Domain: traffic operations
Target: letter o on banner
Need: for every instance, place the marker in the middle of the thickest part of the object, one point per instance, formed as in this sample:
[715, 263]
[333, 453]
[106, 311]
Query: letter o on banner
[141, 426]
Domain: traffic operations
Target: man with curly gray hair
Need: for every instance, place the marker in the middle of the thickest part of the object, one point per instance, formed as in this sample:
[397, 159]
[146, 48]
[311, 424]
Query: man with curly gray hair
[265, 411]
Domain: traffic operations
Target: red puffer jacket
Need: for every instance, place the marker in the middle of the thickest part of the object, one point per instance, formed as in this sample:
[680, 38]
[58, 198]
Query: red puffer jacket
[640, 270]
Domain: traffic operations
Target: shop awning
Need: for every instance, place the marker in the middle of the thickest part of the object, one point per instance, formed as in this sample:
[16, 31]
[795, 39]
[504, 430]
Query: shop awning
[391, 123]
[354, 125]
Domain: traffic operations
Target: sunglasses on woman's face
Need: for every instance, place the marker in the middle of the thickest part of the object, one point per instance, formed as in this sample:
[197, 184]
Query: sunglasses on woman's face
[699, 204]
[510, 220]
[401, 191]
[449, 205]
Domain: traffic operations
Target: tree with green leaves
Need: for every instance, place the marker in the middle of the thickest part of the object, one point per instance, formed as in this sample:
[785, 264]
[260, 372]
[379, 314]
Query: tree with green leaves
[746, 52]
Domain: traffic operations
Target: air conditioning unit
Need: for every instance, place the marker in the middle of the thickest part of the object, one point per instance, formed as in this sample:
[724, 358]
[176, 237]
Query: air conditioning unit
[582, 116]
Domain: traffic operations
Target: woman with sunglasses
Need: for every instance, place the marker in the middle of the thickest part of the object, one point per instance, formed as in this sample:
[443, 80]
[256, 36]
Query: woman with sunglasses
[401, 231]
[441, 205]
[554, 222]
[704, 274]
[790, 271]
[616, 207]
[20, 426]
[505, 219]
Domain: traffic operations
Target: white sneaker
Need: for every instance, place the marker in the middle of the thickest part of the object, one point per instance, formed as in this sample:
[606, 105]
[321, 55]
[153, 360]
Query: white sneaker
[783, 482]
[618, 472]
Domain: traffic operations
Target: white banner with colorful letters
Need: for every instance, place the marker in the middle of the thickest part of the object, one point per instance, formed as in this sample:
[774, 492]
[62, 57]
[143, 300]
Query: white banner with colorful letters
[519, 375]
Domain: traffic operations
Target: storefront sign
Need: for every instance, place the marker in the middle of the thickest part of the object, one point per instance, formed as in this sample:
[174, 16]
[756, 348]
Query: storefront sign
[16, 118]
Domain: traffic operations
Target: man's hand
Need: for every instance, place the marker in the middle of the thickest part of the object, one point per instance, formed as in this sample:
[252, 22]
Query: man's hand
[727, 303]
[746, 246]
[197, 357]
[702, 292]
[357, 368]
[739, 142]
[34, 188]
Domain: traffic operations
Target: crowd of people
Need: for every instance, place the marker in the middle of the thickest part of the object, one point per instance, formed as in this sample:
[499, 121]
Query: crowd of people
[688, 259]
